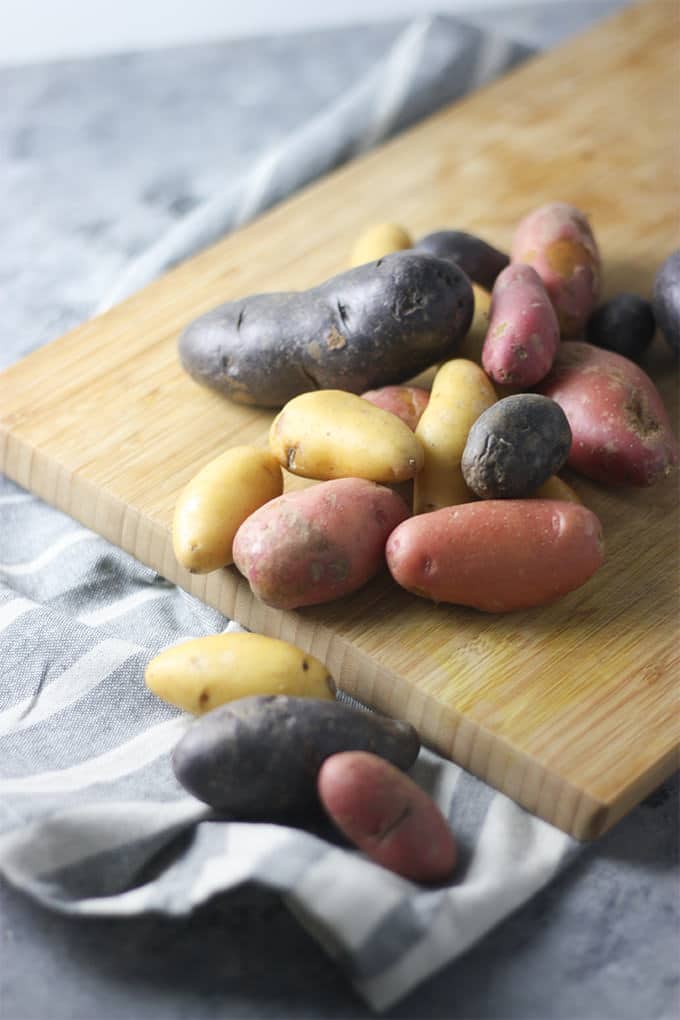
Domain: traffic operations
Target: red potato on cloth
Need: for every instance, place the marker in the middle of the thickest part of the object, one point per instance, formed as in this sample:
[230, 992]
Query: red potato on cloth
[523, 335]
[497, 555]
[557, 241]
[385, 814]
[317, 544]
[622, 434]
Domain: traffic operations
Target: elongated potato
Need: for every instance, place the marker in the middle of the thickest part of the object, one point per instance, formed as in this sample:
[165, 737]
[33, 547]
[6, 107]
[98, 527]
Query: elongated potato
[621, 432]
[460, 393]
[379, 240]
[407, 402]
[479, 260]
[317, 544]
[387, 816]
[472, 344]
[332, 434]
[217, 501]
[557, 241]
[497, 555]
[524, 334]
[201, 674]
[259, 757]
[378, 324]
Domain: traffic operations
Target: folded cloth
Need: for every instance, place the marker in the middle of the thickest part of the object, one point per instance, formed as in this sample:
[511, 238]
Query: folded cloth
[92, 821]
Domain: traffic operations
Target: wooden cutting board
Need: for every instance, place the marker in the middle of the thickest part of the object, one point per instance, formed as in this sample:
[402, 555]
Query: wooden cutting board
[571, 710]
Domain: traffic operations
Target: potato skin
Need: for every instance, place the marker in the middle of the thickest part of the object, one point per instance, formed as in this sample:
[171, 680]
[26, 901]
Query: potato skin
[332, 434]
[387, 815]
[259, 757]
[473, 342]
[515, 446]
[199, 675]
[379, 240]
[667, 300]
[556, 488]
[625, 324]
[217, 500]
[461, 392]
[480, 261]
[523, 334]
[622, 434]
[407, 402]
[317, 544]
[497, 555]
[557, 241]
[374, 325]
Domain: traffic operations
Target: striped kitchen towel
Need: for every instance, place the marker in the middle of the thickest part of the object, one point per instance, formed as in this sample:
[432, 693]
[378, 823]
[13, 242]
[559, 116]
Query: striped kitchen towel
[92, 821]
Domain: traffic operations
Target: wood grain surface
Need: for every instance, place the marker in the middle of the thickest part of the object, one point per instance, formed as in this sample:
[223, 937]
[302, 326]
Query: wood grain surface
[572, 709]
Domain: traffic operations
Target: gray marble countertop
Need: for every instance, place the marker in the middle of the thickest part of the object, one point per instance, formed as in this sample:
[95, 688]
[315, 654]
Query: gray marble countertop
[97, 159]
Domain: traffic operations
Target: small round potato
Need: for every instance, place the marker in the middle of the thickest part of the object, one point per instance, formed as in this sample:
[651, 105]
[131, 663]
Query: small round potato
[515, 446]
[201, 674]
[332, 434]
[217, 501]
[379, 240]
[625, 324]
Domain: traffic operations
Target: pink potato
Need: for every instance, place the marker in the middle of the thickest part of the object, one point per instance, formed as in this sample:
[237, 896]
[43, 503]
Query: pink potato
[523, 334]
[407, 402]
[317, 544]
[497, 555]
[557, 241]
[385, 814]
[621, 432]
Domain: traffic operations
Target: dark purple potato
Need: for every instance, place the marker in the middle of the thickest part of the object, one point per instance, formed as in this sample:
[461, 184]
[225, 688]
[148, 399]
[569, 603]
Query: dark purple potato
[480, 262]
[666, 300]
[515, 446]
[375, 325]
[624, 324]
[259, 757]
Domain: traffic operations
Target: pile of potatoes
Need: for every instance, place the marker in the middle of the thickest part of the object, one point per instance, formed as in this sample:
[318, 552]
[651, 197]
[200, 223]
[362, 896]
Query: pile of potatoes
[455, 489]
[273, 744]
[489, 523]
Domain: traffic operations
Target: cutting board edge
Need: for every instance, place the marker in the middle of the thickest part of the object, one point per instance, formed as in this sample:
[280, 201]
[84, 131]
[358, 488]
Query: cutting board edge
[487, 755]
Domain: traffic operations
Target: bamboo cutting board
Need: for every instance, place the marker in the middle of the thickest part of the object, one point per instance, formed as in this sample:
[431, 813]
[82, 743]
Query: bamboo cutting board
[569, 709]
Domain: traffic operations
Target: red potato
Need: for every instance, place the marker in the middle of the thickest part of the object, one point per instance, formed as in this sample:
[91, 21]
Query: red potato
[621, 432]
[497, 555]
[317, 544]
[407, 402]
[385, 814]
[557, 241]
[523, 334]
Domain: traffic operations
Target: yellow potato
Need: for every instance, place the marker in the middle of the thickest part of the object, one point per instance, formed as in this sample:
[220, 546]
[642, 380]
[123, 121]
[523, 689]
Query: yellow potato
[331, 434]
[217, 501]
[555, 488]
[461, 391]
[471, 347]
[201, 674]
[380, 239]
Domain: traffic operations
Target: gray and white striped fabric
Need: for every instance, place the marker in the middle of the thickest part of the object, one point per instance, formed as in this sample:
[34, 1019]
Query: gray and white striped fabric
[92, 821]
